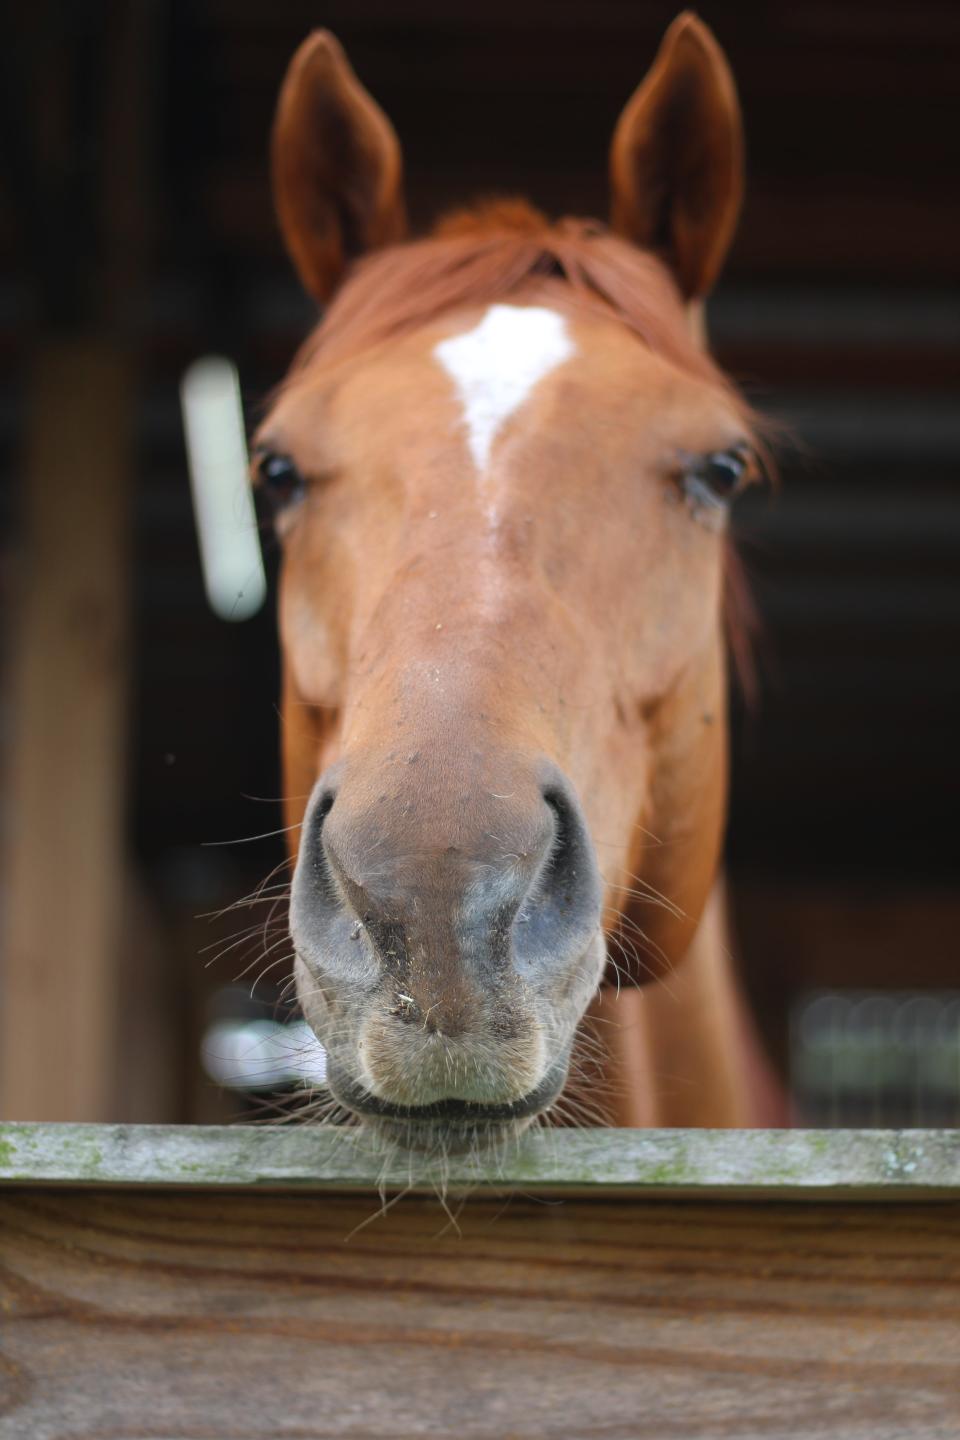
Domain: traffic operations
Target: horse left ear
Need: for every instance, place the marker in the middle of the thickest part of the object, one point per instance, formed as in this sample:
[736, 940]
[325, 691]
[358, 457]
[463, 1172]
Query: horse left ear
[337, 166]
[676, 162]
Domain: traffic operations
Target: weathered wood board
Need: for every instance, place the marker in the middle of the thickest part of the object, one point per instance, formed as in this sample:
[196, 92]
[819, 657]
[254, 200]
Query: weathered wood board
[727, 1164]
[270, 1303]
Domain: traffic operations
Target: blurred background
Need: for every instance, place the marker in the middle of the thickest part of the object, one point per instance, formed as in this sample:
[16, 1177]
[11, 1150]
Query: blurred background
[139, 730]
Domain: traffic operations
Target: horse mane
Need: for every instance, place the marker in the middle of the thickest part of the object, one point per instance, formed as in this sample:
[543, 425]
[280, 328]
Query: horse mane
[491, 251]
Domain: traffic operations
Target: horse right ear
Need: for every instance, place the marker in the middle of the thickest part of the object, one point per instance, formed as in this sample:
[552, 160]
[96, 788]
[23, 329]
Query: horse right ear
[337, 166]
[676, 162]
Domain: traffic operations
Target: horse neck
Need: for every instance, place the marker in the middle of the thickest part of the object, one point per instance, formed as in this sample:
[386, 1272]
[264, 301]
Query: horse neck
[684, 1051]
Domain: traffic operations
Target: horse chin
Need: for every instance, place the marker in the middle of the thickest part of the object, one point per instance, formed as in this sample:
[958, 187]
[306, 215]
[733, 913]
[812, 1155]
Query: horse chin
[451, 1126]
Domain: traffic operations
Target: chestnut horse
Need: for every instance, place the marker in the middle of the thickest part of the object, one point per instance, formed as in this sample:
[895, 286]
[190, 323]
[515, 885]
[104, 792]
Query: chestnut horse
[501, 471]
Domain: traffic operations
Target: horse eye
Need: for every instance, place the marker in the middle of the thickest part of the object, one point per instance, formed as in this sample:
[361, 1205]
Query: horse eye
[709, 482]
[723, 471]
[279, 479]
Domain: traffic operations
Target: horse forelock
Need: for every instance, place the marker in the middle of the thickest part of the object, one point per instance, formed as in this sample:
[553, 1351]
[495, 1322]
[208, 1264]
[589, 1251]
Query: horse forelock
[489, 253]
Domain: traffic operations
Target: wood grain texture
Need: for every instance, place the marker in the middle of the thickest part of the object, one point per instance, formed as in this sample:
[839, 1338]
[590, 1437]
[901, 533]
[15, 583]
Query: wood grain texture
[131, 1315]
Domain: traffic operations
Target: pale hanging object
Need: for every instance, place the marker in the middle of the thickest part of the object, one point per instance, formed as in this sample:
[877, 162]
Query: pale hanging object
[230, 554]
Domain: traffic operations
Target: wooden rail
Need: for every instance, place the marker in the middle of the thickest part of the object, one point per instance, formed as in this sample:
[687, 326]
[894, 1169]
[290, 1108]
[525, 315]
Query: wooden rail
[251, 1284]
[687, 1164]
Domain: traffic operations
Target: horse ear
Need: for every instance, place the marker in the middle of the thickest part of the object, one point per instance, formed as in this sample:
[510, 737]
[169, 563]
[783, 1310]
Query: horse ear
[676, 162]
[337, 166]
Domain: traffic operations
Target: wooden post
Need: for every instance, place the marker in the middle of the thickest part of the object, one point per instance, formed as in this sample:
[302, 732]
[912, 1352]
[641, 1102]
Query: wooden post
[63, 880]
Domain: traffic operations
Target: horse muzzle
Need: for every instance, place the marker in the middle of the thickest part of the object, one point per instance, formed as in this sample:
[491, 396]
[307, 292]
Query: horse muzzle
[446, 948]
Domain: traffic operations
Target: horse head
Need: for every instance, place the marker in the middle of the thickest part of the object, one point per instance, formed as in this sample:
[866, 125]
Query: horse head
[501, 469]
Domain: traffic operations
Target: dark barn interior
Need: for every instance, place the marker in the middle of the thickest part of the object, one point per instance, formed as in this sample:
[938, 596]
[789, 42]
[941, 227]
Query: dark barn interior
[136, 216]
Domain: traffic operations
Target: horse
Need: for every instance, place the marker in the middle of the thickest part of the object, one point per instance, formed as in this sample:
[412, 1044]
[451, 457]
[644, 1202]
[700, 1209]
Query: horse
[500, 471]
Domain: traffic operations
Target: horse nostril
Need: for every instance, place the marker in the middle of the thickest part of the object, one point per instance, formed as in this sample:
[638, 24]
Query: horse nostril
[319, 861]
[562, 860]
[561, 913]
[324, 808]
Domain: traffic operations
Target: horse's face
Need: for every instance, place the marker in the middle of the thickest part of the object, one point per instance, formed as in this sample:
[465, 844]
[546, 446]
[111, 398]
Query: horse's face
[503, 710]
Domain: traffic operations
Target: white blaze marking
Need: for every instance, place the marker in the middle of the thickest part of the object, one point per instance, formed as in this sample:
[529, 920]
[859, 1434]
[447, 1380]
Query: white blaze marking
[496, 365]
